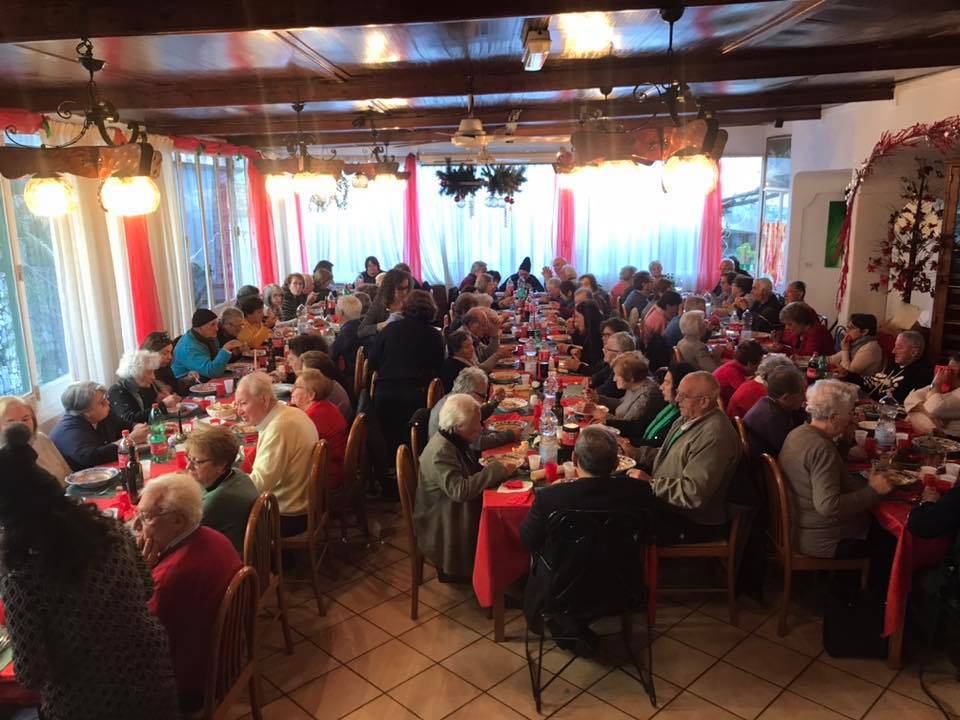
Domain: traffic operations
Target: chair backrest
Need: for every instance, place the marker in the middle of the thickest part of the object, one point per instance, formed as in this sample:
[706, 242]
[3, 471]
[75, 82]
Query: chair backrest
[419, 427]
[358, 371]
[233, 640]
[352, 477]
[407, 484]
[318, 491]
[677, 355]
[261, 544]
[373, 384]
[365, 374]
[633, 318]
[598, 561]
[742, 432]
[435, 392]
[778, 506]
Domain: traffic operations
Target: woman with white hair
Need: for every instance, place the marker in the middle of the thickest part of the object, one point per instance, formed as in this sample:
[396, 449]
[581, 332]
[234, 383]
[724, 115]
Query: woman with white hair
[750, 391]
[16, 410]
[87, 434]
[135, 392]
[192, 565]
[350, 314]
[692, 349]
[473, 381]
[830, 507]
[449, 497]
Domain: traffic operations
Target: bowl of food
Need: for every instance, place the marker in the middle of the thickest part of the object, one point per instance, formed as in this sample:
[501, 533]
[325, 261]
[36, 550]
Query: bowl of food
[222, 411]
[241, 429]
[511, 404]
[559, 338]
[189, 408]
[240, 368]
[506, 425]
[203, 389]
[588, 409]
[504, 377]
[92, 478]
[506, 363]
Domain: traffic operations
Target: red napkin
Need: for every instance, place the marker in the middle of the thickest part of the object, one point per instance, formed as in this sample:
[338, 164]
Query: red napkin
[513, 484]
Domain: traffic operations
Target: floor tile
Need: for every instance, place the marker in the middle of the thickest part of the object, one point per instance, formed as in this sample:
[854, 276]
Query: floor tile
[805, 634]
[582, 672]
[793, 707]
[434, 694]
[750, 614]
[705, 633]
[514, 637]
[291, 671]
[382, 708]
[483, 663]
[735, 690]
[588, 707]
[241, 708]
[284, 709]
[335, 694]
[894, 706]
[394, 615]
[690, 707]
[469, 613]
[766, 659]
[380, 557]
[670, 613]
[439, 638]
[351, 638]
[271, 636]
[307, 621]
[679, 663]
[397, 574]
[364, 593]
[626, 693]
[517, 693]
[940, 679]
[443, 596]
[485, 707]
[874, 670]
[390, 664]
[836, 689]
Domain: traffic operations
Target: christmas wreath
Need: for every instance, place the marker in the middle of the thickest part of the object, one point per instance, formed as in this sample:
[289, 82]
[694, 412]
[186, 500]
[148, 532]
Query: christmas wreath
[504, 180]
[458, 182]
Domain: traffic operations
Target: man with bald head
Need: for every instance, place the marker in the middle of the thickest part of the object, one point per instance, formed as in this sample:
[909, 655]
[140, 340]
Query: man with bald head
[726, 266]
[691, 471]
[766, 307]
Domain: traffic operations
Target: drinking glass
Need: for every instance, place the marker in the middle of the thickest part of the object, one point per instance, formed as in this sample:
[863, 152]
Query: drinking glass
[147, 467]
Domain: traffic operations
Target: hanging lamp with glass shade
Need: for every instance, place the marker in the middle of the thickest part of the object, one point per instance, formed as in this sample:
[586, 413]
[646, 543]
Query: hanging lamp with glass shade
[127, 195]
[302, 173]
[50, 195]
[692, 175]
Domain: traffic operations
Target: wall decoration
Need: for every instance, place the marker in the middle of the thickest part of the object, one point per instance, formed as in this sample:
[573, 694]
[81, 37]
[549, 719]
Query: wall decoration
[504, 180]
[833, 253]
[460, 182]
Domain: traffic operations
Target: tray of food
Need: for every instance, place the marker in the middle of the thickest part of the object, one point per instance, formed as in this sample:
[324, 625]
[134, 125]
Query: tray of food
[222, 411]
[203, 389]
[931, 444]
[505, 425]
[512, 404]
[503, 377]
[241, 429]
[92, 478]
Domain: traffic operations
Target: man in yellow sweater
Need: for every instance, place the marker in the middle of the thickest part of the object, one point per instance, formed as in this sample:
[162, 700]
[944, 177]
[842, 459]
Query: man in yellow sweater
[284, 449]
[253, 333]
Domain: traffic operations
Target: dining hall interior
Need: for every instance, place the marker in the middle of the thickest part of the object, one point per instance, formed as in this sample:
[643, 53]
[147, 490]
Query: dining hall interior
[564, 359]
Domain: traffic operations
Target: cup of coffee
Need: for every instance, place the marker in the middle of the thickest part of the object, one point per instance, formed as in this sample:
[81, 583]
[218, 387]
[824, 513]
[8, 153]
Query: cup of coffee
[861, 437]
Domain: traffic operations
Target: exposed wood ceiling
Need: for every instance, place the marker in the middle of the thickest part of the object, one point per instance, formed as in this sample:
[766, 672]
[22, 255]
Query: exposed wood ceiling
[213, 69]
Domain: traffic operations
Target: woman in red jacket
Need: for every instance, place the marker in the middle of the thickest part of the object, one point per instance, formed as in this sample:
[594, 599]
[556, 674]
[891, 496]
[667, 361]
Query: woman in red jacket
[803, 331]
[310, 393]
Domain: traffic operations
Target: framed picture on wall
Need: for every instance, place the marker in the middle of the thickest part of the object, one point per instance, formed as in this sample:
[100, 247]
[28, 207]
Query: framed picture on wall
[833, 252]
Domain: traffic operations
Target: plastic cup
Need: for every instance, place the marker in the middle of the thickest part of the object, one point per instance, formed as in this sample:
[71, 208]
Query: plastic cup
[569, 471]
[870, 445]
[228, 386]
[147, 467]
[903, 440]
[221, 390]
[952, 469]
[534, 461]
[211, 399]
[181, 457]
[550, 472]
[861, 437]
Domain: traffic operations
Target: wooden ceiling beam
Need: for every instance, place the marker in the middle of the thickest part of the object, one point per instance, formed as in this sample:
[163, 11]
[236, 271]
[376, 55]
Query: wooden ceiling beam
[492, 78]
[33, 20]
[803, 96]
[360, 138]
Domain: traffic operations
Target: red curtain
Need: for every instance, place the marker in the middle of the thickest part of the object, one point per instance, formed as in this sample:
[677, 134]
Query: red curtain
[711, 241]
[24, 121]
[143, 285]
[259, 211]
[566, 225]
[411, 219]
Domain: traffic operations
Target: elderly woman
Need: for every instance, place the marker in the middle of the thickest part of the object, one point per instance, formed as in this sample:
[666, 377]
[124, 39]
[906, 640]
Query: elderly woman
[273, 303]
[641, 399]
[198, 350]
[807, 335]
[16, 410]
[478, 268]
[750, 391]
[192, 566]
[723, 293]
[656, 430]
[936, 407]
[74, 590]
[829, 506]
[394, 288]
[350, 313]
[623, 285]
[87, 434]
[228, 493]
[160, 342]
[860, 353]
[474, 382]
[254, 333]
[133, 395]
[692, 348]
[486, 286]
[589, 281]
[231, 323]
[450, 491]
[461, 354]
[775, 415]
[338, 396]
[294, 295]
[742, 298]
[311, 393]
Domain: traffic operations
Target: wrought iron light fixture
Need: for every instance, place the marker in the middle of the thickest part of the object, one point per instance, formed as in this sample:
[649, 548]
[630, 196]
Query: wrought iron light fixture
[301, 173]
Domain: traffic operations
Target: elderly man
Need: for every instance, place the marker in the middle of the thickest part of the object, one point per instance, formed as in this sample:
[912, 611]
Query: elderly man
[284, 449]
[776, 414]
[523, 276]
[795, 292]
[766, 307]
[198, 349]
[473, 381]
[191, 566]
[726, 266]
[449, 499]
[909, 366]
[672, 334]
[614, 346]
[691, 471]
[231, 323]
[483, 324]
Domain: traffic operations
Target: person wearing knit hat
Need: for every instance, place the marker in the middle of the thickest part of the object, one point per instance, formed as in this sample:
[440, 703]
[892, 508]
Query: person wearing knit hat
[74, 587]
[199, 350]
[523, 276]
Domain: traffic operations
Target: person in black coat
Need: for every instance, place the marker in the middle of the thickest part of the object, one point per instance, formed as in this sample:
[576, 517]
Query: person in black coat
[87, 434]
[460, 355]
[908, 364]
[161, 343]
[350, 314]
[133, 395]
[522, 275]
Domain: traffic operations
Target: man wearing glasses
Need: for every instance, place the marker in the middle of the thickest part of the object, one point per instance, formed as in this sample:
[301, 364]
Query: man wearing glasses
[473, 382]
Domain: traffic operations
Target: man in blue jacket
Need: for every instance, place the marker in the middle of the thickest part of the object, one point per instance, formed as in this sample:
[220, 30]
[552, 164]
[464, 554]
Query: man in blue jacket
[199, 351]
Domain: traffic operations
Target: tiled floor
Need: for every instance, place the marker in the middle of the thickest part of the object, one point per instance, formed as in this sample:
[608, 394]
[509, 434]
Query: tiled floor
[367, 660]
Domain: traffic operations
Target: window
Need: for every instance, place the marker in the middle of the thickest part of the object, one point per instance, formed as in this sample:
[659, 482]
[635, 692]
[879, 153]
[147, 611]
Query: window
[216, 226]
[740, 185]
[776, 210]
[33, 348]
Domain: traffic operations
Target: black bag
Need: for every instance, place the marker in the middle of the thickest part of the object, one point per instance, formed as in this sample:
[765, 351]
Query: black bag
[853, 621]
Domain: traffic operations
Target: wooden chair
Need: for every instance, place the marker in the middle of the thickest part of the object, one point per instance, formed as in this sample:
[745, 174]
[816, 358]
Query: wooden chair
[233, 654]
[365, 374]
[419, 427]
[780, 534]
[373, 384]
[314, 538]
[677, 355]
[434, 393]
[261, 551]
[407, 483]
[349, 497]
[358, 371]
[742, 433]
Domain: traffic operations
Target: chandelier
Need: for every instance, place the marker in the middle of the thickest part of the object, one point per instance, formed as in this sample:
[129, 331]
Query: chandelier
[382, 172]
[127, 185]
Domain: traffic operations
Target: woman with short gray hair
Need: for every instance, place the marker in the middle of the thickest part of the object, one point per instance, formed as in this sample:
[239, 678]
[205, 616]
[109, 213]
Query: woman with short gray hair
[87, 434]
[350, 312]
[692, 349]
[135, 392]
[830, 507]
[750, 391]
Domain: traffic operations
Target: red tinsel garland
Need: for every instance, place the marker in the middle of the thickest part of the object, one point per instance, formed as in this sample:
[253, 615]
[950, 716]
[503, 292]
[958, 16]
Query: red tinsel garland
[943, 135]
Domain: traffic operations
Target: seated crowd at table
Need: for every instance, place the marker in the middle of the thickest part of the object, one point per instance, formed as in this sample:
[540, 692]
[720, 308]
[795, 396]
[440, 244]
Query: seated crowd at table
[657, 386]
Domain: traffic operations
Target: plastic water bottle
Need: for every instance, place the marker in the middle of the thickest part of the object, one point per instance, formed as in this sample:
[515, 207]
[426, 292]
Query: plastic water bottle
[548, 436]
[747, 331]
[708, 301]
[886, 432]
[530, 357]
[550, 387]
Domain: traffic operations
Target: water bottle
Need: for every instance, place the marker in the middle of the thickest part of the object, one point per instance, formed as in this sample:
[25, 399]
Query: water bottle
[530, 358]
[548, 436]
[886, 433]
[747, 319]
[550, 387]
[708, 301]
[158, 434]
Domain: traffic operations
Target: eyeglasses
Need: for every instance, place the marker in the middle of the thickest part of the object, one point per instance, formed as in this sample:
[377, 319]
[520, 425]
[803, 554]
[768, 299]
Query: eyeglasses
[196, 462]
[144, 518]
[681, 396]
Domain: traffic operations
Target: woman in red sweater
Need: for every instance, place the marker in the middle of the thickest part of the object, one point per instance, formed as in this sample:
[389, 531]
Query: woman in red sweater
[747, 395]
[804, 332]
[310, 393]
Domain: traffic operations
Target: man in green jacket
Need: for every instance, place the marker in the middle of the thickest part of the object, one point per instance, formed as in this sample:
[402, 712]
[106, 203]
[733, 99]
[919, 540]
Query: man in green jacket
[690, 473]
